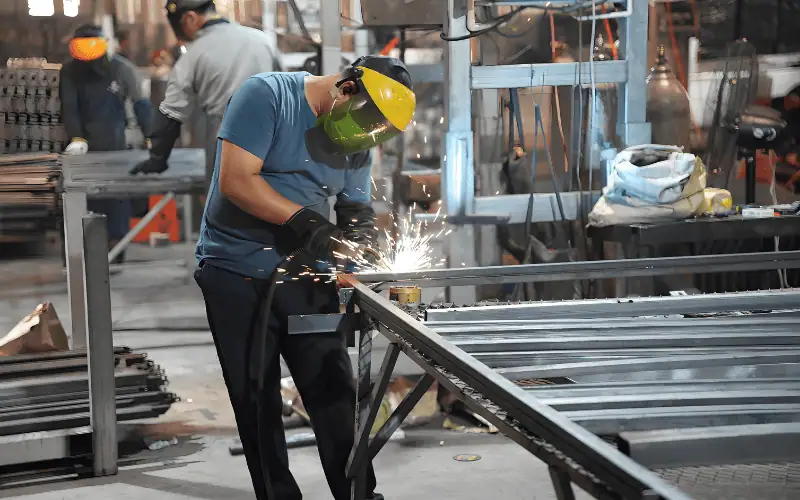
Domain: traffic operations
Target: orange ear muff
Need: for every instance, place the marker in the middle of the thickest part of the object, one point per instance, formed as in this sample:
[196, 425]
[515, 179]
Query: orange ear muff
[88, 49]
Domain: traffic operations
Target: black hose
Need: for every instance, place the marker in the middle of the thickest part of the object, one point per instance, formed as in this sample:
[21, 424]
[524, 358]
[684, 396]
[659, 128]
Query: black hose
[258, 344]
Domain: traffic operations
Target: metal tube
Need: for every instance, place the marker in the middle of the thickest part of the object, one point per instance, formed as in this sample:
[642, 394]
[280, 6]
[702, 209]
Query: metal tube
[666, 399]
[188, 229]
[652, 364]
[135, 230]
[640, 306]
[364, 406]
[648, 387]
[737, 444]
[607, 423]
[100, 352]
[74, 209]
[567, 271]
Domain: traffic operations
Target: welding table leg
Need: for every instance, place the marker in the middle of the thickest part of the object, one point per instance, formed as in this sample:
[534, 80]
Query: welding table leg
[101, 360]
[358, 488]
[561, 484]
[135, 230]
[399, 415]
[74, 208]
[361, 445]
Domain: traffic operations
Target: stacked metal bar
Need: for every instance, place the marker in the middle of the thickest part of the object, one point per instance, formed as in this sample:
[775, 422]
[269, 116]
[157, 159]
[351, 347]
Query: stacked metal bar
[678, 383]
[49, 392]
[29, 203]
[30, 107]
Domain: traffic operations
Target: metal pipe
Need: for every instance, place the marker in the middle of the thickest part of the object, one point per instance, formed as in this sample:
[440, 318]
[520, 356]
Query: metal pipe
[652, 364]
[567, 271]
[100, 352]
[139, 227]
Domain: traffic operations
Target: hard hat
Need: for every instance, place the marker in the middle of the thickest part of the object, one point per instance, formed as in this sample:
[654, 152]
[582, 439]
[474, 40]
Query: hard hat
[88, 43]
[380, 108]
[177, 8]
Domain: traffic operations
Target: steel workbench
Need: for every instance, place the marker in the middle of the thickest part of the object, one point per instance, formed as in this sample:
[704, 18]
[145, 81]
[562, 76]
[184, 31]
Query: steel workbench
[105, 174]
[686, 391]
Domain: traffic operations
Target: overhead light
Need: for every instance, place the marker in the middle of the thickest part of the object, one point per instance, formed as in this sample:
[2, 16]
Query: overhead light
[72, 8]
[41, 8]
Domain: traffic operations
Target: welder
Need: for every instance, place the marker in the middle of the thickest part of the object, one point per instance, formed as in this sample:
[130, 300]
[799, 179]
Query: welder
[220, 56]
[94, 88]
[289, 142]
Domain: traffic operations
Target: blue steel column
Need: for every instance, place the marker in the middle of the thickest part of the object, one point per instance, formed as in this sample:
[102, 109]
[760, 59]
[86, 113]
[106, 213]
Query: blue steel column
[458, 177]
[458, 165]
[632, 126]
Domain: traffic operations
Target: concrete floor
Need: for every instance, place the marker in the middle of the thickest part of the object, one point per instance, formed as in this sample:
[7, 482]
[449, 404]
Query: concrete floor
[160, 312]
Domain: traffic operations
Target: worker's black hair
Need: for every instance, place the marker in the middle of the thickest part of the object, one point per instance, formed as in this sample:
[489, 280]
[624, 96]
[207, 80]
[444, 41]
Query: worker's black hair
[88, 31]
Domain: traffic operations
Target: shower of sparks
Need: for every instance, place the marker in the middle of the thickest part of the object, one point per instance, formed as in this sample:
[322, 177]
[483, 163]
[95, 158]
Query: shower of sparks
[410, 250]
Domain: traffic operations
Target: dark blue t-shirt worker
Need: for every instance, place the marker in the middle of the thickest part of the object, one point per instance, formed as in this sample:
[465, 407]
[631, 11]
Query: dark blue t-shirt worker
[289, 142]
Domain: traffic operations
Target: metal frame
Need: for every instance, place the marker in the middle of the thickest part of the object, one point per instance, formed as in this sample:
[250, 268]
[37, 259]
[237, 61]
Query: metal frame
[82, 178]
[573, 454]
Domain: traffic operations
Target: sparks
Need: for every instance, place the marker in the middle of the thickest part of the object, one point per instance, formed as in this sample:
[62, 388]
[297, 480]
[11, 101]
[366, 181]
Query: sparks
[410, 250]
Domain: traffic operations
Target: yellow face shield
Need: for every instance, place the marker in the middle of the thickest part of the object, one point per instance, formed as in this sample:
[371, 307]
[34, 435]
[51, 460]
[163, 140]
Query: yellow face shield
[381, 110]
[88, 49]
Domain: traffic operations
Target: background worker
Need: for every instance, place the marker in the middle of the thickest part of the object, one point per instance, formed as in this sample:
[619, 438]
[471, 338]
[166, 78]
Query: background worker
[94, 88]
[219, 57]
[288, 143]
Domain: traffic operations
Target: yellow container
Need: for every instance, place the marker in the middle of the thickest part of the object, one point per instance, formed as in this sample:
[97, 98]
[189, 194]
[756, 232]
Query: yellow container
[406, 295]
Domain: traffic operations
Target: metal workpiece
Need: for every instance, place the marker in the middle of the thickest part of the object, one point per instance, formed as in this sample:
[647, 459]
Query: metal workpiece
[666, 399]
[736, 444]
[650, 387]
[568, 271]
[613, 422]
[760, 324]
[100, 352]
[765, 300]
[627, 365]
[586, 459]
[547, 75]
[632, 344]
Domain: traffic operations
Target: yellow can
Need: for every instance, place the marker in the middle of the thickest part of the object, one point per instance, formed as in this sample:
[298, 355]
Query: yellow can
[406, 295]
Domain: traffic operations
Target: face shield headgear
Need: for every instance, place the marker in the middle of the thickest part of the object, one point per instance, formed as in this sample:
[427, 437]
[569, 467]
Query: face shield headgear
[88, 44]
[380, 107]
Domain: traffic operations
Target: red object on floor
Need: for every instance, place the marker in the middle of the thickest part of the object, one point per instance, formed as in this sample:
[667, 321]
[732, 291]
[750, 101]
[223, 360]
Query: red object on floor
[165, 222]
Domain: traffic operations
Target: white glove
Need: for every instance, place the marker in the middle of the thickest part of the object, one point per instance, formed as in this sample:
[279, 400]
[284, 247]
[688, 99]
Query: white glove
[77, 147]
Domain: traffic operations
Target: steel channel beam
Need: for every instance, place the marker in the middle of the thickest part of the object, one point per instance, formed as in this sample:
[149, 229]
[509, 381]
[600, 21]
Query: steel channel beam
[609, 308]
[667, 400]
[32, 447]
[650, 364]
[612, 422]
[546, 74]
[51, 356]
[566, 271]
[10, 404]
[637, 388]
[738, 444]
[71, 382]
[100, 353]
[78, 420]
[632, 343]
[749, 323]
[78, 406]
[621, 474]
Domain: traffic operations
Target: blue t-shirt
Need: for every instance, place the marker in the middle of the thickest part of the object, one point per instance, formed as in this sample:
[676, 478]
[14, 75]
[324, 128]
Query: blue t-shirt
[268, 117]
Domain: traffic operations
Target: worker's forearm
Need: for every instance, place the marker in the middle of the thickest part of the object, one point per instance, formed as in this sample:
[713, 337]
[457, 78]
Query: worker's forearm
[255, 196]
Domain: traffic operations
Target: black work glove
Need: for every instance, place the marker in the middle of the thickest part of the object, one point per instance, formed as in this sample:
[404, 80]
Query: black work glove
[152, 165]
[357, 221]
[315, 234]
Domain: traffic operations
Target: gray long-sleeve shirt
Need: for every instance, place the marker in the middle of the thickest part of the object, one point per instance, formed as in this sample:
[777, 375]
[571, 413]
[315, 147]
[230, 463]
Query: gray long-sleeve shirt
[214, 66]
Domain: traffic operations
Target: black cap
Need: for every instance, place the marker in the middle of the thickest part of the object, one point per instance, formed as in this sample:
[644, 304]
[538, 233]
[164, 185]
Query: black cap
[181, 6]
[390, 66]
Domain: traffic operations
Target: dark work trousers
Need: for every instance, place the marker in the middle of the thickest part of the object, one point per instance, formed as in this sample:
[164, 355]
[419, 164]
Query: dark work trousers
[319, 365]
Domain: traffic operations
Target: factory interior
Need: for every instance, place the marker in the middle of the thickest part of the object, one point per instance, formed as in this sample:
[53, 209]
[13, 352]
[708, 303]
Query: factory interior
[584, 282]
